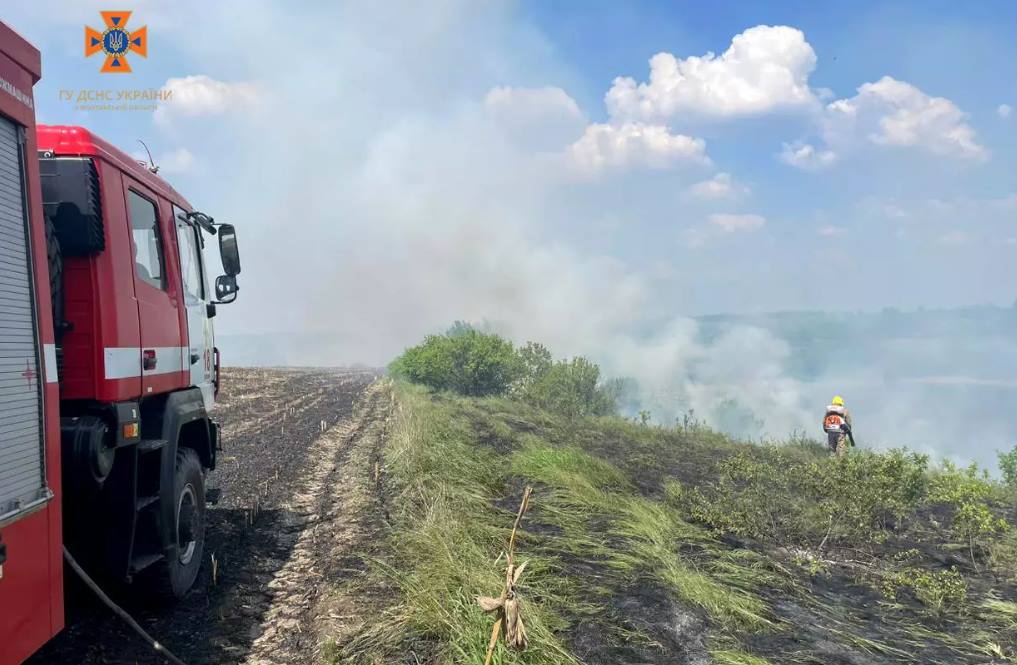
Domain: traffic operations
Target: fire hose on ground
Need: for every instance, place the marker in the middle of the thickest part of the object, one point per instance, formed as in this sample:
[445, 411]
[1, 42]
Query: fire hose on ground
[119, 611]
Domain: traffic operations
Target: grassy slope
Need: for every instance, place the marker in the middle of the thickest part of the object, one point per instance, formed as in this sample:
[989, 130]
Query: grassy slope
[644, 545]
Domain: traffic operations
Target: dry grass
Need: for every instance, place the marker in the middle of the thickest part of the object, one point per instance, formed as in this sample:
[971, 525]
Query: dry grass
[609, 520]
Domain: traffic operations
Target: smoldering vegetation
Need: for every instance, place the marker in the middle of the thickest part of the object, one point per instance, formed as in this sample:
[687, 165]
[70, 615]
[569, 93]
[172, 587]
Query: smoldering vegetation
[650, 544]
[938, 382]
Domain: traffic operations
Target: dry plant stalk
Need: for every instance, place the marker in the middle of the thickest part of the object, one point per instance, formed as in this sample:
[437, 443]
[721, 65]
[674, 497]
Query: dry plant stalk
[508, 604]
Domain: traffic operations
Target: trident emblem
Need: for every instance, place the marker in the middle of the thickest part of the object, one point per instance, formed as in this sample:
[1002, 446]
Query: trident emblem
[116, 42]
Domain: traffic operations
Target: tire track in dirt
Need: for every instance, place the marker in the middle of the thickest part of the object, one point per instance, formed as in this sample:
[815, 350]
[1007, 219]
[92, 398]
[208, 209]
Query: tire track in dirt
[251, 532]
[332, 503]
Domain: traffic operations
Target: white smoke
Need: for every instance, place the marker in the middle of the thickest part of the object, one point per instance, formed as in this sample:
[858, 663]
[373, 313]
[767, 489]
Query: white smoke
[385, 190]
[392, 167]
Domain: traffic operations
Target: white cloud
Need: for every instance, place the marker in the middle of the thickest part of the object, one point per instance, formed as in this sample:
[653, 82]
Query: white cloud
[824, 94]
[1003, 110]
[954, 238]
[894, 211]
[897, 114]
[950, 222]
[889, 209]
[961, 209]
[831, 231]
[634, 145]
[544, 118]
[177, 161]
[202, 95]
[806, 156]
[720, 186]
[977, 208]
[732, 223]
[766, 68]
[385, 141]
[888, 113]
[532, 104]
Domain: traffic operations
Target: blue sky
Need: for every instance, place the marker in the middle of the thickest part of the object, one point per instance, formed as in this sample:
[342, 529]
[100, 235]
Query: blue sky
[964, 52]
[590, 175]
[907, 40]
[804, 200]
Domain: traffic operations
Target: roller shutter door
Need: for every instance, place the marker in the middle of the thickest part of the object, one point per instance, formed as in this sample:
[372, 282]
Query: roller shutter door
[22, 482]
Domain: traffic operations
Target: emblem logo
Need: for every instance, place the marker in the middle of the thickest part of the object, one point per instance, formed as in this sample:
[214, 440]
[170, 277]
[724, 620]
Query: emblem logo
[116, 41]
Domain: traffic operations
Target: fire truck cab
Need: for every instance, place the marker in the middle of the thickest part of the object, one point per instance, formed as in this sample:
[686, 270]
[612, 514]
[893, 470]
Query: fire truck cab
[108, 364]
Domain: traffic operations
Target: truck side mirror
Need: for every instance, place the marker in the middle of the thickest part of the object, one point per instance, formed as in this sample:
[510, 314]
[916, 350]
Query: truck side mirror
[228, 250]
[226, 289]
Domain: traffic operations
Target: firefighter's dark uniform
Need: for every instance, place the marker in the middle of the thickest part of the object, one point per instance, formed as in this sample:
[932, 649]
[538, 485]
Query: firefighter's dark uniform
[833, 423]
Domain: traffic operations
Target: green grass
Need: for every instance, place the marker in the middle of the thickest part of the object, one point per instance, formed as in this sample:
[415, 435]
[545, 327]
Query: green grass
[588, 480]
[646, 533]
[723, 657]
[446, 538]
[620, 507]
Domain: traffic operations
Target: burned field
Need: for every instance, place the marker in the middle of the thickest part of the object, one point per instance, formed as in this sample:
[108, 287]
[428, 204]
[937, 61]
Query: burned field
[360, 519]
[677, 545]
[278, 425]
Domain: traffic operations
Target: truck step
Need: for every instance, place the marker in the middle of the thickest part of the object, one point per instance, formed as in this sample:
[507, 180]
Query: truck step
[150, 445]
[140, 563]
[145, 502]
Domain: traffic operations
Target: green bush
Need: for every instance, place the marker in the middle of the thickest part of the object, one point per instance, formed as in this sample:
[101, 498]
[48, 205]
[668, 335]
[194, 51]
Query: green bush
[467, 362]
[788, 496]
[1008, 467]
[938, 591]
[470, 362]
[791, 497]
[535, 361]
[967, 492]
[571, 388]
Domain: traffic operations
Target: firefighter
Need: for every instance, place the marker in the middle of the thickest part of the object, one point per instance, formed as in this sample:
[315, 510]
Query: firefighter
[837, 425]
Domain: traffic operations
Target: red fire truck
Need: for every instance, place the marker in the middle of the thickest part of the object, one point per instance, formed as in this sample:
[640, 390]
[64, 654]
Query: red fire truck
[108, 369]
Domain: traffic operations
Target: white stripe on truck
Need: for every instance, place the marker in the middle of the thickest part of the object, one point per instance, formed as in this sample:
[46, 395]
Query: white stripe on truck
[50, 363]
[124, 362]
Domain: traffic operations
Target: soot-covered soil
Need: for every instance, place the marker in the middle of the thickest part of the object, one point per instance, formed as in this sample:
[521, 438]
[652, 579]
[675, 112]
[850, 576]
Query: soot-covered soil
[827, 617]
[283, 436]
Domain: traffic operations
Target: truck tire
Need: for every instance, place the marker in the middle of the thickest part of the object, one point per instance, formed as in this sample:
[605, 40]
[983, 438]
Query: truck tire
[176, 575]
[56, 276]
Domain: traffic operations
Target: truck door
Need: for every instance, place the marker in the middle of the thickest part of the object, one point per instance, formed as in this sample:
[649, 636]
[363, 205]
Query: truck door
[161, 352]
[198, 352]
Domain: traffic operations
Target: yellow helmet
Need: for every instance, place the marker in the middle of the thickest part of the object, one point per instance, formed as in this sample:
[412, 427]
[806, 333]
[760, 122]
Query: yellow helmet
[837, 401]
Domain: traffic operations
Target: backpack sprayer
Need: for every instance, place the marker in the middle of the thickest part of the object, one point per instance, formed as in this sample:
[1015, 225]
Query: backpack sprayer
[847, 430]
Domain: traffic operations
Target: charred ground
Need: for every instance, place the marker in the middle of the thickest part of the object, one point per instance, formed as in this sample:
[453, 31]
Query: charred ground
[369, 541]
[678, 545]
[272, 420]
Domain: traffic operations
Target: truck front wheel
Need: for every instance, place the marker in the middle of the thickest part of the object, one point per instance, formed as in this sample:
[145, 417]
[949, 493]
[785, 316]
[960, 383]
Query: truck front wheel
[187, 528]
